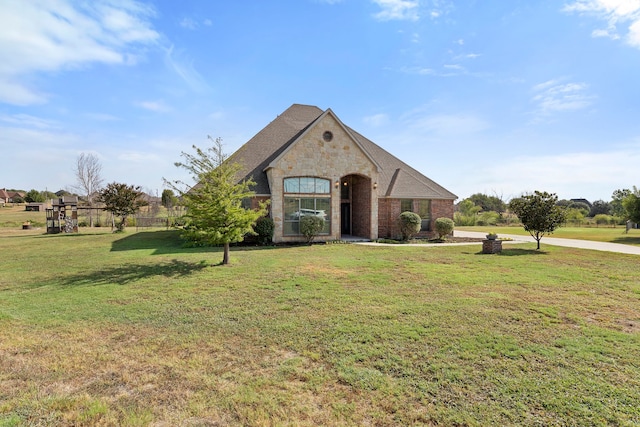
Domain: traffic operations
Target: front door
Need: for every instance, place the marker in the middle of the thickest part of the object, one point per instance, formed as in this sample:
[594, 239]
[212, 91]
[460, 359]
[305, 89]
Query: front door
[345, 218]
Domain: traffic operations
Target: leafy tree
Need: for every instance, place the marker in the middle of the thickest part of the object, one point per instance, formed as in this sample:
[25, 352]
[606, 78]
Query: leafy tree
[570, 204]
[311, 226]
[574, 216]
[34, 196]
[444, 227]
[48, 195]
[631, 204]
[121, 200]
[538, 213]
[488, 203]
[214, 205]
[600, 207]
[410, 223]
[88, 170]
[468, 208]
[617, 209]
[488, 218]
[467, 213]
[169, 199]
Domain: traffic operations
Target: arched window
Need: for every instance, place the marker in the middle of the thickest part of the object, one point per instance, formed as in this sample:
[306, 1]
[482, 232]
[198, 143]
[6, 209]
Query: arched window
[306, 196]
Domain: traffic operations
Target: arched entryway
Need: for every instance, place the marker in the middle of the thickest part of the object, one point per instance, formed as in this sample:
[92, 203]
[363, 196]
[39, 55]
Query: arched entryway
[355, 206]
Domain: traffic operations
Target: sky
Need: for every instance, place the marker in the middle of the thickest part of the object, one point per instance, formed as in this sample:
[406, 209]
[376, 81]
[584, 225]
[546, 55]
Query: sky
[495, 97]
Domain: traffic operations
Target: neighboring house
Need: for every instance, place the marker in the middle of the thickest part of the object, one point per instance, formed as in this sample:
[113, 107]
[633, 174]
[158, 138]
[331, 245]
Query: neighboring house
[8, 196]
[307, 162]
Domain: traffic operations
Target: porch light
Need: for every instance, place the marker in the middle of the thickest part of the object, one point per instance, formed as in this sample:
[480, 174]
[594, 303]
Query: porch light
[375, 185]
[337, 184]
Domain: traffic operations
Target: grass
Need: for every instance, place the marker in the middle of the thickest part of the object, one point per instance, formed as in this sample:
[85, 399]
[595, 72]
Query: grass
[133, 329]
[598, 234]
[13, 216]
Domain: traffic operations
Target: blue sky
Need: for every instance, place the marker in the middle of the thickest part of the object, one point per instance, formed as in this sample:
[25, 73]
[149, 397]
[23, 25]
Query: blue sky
[498, 97]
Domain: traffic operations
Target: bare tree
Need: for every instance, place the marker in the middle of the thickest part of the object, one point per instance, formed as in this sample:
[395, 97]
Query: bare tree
[88, 172]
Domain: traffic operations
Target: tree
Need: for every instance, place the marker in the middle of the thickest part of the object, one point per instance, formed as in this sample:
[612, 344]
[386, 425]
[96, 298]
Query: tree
[34, 196]
[600, 207]
[538, 213]
[121, 200]
[631, 204]
[214, 205]
[169, 199]
[467, 213]
[88, 178]
[488, 203]
[616, 202]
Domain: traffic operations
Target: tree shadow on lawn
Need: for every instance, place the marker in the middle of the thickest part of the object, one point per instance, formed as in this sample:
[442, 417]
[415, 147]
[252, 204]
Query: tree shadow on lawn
[169, 242]
[627, 240]
[129, 273]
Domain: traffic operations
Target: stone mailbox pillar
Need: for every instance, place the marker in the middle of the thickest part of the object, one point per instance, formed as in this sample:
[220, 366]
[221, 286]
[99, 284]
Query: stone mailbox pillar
[491, 246]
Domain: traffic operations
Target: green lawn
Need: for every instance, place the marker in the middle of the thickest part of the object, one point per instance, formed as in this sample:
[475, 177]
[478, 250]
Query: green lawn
[133, 329]
[598, 234]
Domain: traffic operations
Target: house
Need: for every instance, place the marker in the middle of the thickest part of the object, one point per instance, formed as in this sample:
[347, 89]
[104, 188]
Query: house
[307, 162]
[8, 196]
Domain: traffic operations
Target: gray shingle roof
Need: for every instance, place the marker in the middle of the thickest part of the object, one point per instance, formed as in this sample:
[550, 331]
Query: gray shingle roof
[396, 180]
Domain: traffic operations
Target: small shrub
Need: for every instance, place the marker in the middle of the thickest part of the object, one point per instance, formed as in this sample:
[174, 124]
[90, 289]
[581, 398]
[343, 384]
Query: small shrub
[311, 226]
[409, 224]
[264, 229]
[603, 219]
[444, 227]
[488, 218]
[464, 220]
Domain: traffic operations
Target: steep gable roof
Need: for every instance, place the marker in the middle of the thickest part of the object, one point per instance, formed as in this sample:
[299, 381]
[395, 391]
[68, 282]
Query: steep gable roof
[348, 131]
[256, 154]
[396, 178]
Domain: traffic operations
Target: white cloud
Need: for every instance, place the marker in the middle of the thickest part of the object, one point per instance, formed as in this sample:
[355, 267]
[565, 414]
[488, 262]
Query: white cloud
[44, 36]
[615, 13]
[156, 106]
[397, 10]
[188, 23]
[555, 96]
[185, 69]
[28, 121]
[376, 120]
[192, 24]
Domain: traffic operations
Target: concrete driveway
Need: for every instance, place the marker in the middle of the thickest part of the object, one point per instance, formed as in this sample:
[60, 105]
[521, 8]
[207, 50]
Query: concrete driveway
[570, 243]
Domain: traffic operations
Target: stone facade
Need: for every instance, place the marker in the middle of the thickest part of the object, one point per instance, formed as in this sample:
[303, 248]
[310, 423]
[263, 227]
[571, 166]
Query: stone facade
[314, 156]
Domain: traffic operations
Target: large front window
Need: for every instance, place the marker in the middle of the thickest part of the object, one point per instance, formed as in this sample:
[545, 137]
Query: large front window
[306, 196]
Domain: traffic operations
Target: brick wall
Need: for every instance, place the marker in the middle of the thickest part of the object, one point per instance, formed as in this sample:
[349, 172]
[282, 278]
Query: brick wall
[360, 206]
[389, 212]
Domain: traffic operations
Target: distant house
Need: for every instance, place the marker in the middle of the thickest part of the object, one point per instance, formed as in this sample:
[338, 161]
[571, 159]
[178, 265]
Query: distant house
[7, 196]
[307, 162]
